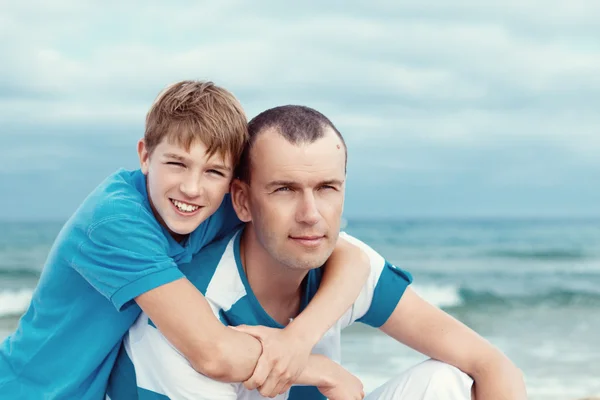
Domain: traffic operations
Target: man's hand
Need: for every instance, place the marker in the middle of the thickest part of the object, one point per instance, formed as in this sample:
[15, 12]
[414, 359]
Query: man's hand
[283, 359]
[345, 386]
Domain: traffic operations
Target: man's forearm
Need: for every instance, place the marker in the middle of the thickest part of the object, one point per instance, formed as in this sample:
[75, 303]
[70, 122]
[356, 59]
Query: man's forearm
[499, 380]
[320, 371]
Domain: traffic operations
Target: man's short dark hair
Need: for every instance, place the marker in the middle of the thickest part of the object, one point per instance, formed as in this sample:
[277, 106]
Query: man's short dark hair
[297, 124]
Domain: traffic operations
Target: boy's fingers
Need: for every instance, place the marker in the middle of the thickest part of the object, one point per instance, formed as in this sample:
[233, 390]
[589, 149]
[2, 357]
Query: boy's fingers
[261, 372]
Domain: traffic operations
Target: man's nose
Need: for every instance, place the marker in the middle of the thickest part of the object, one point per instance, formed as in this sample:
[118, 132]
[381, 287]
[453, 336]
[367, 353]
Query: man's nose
[308, 212]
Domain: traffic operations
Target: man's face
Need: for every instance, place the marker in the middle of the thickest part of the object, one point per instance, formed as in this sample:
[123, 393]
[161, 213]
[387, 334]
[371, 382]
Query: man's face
[184, 187]
[296, 197]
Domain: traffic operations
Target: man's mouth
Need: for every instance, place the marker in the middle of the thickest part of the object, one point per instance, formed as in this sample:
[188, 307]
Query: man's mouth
[308, 240]
[184, 207]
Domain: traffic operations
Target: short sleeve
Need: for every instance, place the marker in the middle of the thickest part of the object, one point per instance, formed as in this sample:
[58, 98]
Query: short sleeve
[388, 291]
[125, 255]
[381, 292]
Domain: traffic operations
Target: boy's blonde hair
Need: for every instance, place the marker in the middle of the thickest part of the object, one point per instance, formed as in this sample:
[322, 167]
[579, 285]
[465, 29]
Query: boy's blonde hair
[187, 111]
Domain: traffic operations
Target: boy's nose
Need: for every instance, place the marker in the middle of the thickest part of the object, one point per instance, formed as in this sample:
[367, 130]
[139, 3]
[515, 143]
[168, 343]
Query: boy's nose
[191, 188]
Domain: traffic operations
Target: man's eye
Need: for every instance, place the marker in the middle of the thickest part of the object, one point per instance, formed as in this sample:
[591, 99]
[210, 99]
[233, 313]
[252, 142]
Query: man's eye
[282, 189]
[328, 187]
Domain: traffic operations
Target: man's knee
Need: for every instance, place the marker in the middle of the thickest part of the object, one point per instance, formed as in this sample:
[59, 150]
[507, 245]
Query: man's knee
[444, 381]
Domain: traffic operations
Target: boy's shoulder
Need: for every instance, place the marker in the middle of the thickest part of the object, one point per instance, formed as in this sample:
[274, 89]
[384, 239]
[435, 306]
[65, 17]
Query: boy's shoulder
[121, 195]
[120, 199]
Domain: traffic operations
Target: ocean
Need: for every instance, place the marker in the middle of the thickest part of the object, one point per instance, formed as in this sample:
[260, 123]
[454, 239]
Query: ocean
[531, 287]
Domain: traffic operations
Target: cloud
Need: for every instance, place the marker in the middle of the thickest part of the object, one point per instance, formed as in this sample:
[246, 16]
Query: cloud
[493, 93]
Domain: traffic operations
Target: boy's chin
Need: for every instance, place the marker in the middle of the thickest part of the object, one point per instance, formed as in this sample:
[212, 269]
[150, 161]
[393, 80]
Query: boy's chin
[183, 229]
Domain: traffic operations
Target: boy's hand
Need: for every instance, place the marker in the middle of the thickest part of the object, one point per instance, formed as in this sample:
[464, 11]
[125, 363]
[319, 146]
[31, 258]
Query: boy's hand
[283, 359]
[344, 386]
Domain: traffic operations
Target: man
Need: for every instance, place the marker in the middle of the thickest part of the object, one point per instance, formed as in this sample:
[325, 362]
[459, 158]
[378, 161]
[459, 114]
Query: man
[290, 194]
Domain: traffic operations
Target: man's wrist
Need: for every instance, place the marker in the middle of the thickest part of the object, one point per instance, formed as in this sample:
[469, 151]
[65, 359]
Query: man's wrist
[326, 369]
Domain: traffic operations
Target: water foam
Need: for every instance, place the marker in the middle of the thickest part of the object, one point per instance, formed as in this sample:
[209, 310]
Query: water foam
[439, 295]
[14, 302]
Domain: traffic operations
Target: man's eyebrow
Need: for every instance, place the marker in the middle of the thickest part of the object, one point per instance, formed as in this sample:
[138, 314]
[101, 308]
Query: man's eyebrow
[332, 182]
[281, 183]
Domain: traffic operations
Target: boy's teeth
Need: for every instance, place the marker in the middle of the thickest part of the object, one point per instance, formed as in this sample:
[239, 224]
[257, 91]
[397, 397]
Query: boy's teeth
[185, 207]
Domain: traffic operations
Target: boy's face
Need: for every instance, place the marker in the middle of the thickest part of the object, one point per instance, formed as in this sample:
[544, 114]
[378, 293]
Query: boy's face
[184, 187]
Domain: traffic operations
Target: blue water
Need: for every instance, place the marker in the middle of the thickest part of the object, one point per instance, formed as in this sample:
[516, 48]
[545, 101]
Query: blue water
[531, 287]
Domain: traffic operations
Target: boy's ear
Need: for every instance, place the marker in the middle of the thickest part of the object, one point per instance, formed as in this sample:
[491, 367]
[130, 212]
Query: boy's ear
[143, 155]
[240, 199]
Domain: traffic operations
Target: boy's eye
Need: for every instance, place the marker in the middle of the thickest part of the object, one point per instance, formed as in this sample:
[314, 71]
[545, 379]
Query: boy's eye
[175, 163]
[214, 171]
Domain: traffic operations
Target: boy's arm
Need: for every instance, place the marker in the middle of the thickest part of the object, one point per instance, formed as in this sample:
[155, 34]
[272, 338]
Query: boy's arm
[285, 354]
[344, 276]
[185, 318]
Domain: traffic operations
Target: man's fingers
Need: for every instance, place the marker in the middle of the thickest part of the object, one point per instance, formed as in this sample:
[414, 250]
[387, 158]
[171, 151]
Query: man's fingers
[261, 372]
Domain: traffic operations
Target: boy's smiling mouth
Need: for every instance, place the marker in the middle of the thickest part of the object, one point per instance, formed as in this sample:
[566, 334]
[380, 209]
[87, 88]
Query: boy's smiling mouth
[184, 208]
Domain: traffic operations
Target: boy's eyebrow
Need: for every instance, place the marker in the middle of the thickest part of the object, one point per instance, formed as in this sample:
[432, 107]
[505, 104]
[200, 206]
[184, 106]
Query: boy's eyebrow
[215, 165]
[175, 156]
[219, 166]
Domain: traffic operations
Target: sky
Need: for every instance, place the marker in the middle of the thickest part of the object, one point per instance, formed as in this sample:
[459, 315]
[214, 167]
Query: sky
[449, 109]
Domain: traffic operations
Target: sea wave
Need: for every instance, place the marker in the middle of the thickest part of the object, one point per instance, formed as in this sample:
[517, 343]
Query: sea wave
[14, 302]
[19, 273]
[449, 296]
[539, 254]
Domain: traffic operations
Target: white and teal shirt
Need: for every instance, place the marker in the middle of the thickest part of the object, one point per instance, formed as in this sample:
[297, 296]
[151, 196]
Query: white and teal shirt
[149, 367]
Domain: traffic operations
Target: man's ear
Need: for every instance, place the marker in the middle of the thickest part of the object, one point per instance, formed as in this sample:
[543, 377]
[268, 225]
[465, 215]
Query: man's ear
[240, 197]
[143, 155]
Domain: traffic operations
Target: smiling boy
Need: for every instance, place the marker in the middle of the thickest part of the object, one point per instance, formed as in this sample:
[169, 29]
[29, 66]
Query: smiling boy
[119, 254]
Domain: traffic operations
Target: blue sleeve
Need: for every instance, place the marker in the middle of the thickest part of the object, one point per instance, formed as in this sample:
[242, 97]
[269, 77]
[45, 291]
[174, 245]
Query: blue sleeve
[390, 287]
[125, 255]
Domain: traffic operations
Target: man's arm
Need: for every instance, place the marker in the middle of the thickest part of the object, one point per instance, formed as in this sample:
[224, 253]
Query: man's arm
[185, 318]
[436, 334]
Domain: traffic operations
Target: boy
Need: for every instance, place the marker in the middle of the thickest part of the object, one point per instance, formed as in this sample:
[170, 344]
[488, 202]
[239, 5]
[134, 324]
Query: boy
[120, 250]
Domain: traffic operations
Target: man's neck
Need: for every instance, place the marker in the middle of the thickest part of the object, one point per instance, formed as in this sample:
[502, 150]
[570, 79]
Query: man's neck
[277, 287]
